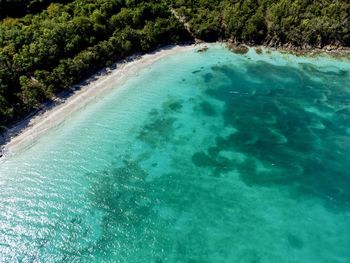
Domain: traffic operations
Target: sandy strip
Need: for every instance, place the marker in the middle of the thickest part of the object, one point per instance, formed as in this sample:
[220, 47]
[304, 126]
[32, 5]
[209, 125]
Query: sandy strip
[26, 132]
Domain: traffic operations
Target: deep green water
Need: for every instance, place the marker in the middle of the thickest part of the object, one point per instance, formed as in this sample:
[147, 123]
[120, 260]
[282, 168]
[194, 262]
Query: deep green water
[202, 157]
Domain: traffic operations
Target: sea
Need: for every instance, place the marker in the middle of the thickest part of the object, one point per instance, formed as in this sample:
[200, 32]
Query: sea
[200, 157]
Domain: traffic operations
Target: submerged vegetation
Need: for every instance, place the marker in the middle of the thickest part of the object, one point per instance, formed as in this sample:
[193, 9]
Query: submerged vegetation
[45, 47]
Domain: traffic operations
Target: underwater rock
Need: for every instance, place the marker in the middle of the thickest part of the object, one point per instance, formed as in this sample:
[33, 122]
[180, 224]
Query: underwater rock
[295, 242]
[202, 49]
[207, 108]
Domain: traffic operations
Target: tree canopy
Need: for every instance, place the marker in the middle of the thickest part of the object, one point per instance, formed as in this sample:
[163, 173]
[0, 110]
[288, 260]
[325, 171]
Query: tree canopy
[273, 22]
[47, 46]
[45, 53]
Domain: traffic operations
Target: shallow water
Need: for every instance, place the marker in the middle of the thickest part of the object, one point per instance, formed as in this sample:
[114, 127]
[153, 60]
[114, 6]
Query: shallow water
[202, 157]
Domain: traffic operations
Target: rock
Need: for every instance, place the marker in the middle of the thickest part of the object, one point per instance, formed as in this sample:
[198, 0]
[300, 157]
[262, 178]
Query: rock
[238, 49]
[203, 49]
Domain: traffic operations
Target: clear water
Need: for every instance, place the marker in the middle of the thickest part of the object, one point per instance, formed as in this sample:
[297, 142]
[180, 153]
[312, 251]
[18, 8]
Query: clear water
[202, 157]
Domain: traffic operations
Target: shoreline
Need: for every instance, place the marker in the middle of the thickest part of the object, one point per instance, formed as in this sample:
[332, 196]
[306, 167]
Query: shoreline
[53, 113]
[337, 52]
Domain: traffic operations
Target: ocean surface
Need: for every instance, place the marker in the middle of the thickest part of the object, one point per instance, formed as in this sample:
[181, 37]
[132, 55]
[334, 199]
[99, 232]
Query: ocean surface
[201, 157]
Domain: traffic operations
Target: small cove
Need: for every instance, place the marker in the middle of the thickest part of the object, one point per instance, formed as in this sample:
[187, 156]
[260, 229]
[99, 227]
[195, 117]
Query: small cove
[200, 157]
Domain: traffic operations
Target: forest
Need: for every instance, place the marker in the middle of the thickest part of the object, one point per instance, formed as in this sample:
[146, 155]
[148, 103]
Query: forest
[18, 8]
[270, 22]
[47, 46]
[45, 53]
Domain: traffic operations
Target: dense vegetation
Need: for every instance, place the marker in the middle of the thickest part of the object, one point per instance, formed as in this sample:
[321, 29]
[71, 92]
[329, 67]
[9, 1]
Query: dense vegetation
[57, 44]
[18, 8]
[273, 22]
[45, 53]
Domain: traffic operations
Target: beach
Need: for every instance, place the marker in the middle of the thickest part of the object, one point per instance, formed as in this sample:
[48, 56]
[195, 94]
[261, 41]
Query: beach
[54, 112]
[210, 156]
[28, 130]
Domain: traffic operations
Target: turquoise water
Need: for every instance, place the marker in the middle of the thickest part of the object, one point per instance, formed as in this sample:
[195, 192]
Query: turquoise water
[201, 157]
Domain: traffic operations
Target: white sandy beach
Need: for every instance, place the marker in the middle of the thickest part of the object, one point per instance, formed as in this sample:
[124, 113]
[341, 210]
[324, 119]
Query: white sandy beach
[27, 132]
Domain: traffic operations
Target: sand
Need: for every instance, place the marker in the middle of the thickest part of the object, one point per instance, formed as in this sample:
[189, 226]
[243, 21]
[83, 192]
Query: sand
[27, 131]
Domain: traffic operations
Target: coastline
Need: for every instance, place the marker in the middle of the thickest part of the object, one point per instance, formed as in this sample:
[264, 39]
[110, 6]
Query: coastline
[53, 113]
[25, 132]
[337, 52]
